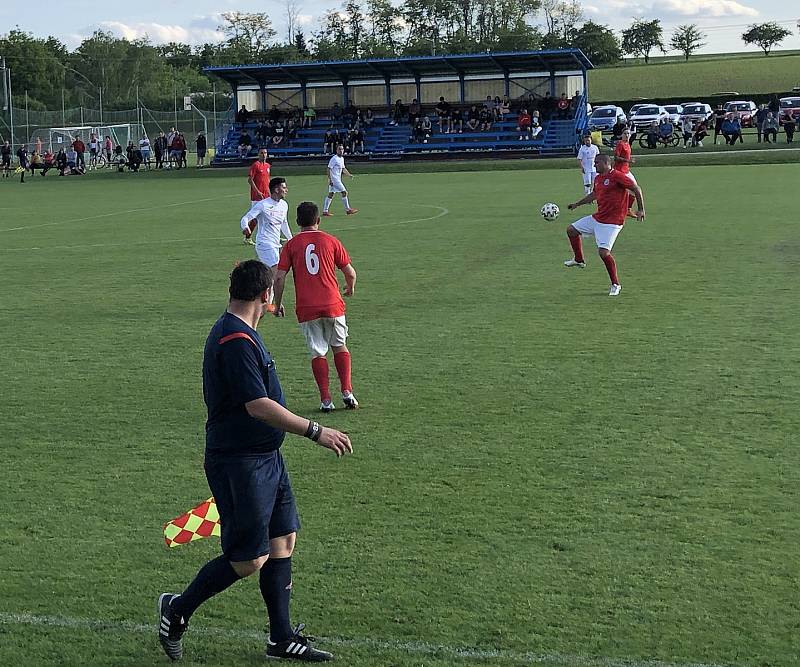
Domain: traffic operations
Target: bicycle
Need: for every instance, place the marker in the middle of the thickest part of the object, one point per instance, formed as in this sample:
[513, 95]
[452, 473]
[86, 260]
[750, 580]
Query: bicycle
[670, 141]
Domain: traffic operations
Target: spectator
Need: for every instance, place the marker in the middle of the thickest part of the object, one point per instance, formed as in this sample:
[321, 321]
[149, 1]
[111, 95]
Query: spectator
[61, 162]
[336, 114]
[182, 148]
[688, 130]
[771, 128]
[485, 117]
[737, 128]
[170, 138]
[349, 114]
[496, 107]
[309, 116]
[291, 130]
[35, 162]
[700, 133]
[789, 126]
[135, 158]
[616, 131]
[262, 139]
[652, 135]
[524, 124]
[329, 141]
[108, 147]
[80, 149]
[427, 126]
[369, 118]
[202, 145]
[536, 124]
[488, 104]
[398, 112]
[505, 107]
[72, 159]
[357, 140]
[473, 118]
[758, 120]
[563, 106]
[242, 116]
[665, 128]
[119, 159]
[279, 135]
[547, 106]
[719, 118]
[159, 147]
[245, 143]
[443, 114]
[274, 114]
[48, 162]
[573, 104]
[774, 106]
[418, 133]
[414, 111]
[457, 120]
[144, 147]
[731, 129]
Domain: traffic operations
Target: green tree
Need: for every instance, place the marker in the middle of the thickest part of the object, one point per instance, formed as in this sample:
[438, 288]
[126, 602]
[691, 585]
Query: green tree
[248, 32]
[354, 22]
[384, 27]
[300, 44]
[642, 37]
[765, 35]
[598, 42]
[687, 39]
[37, 65]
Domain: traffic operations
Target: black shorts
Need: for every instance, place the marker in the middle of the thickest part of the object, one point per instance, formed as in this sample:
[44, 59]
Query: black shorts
[255, 501]
[5, 160]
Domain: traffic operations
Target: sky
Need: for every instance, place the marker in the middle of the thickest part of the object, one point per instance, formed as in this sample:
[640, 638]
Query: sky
[195, 21]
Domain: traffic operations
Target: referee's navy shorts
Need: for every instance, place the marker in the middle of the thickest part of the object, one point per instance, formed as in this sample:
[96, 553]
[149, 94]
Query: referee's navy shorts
[255, 501]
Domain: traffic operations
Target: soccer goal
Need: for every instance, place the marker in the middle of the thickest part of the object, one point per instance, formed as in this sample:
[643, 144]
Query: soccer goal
[56, 138]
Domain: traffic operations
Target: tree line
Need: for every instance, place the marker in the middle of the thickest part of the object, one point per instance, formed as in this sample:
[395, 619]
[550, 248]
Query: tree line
[47, 75]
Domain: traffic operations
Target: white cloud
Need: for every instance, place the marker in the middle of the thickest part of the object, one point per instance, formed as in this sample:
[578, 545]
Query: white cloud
[707, 8]
[305, 19]
[199, 30]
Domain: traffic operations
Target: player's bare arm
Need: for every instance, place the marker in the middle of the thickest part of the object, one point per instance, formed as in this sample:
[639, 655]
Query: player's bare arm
[253, 185]
[278, 286]
[273, 413]
[349, 279]
[330, 177]
[347, 173]
[588, 199]
[636, 191]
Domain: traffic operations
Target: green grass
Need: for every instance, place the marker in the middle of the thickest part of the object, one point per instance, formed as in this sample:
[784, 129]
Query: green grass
[542, 474]
[699, 78]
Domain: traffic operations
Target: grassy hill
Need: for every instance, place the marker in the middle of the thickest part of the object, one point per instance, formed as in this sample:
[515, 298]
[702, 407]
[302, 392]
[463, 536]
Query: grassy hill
[701, 77]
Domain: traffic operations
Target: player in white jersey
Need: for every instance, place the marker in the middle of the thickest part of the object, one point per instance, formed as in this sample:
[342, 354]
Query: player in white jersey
[586, 155]
[336, 169]
[270, 217]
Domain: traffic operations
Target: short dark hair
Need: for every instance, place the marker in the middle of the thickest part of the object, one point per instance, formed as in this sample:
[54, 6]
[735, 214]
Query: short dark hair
[275, 182]
[307, 214]
[249, 279]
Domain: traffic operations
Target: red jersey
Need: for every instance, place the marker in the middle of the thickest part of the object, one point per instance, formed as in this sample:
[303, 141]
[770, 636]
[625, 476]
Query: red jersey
[259, 172]
[623, 150]
[79, 146]
[314, 257]
[611, 192]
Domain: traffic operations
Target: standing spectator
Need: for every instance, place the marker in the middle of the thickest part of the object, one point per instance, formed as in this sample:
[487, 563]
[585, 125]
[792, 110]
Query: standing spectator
[398, 112]
[170, 138]
[563, 106]
[202, 146]
[336, 114]
[737, 128]
[488, 104]
[369, 119]
[80, 149]
[182, 147]
[719, 119]
[774, 106]
[758, 120]
[291, 130]
[414, 111]
[789, 126]
[524, 124]
[242, 116]
[22, 157]
[108, 147]
[349, 114]
[5, 159]
[771, 128]
[309, 116]
[457, 120]
[160, 148]
[144, 147]
[94, 149]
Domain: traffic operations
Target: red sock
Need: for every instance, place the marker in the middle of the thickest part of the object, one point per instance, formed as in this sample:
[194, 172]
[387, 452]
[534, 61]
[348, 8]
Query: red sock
[577, 247]
[319, 365]
[342, 361]
[611, 267]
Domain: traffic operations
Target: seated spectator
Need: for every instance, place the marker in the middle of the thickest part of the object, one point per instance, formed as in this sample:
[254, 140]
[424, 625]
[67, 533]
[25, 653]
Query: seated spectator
[279, 136]
[789, 126]
[770, 128]
[457, 120]
[485, 118]
[243, 115]
[687, 127]
[496, 107]
[563, 106]
[262, 134]
[536, 124]
[473, 118]
[398, 112]
[443, 115]
[136, 158]
[619, 127]
[48, 161]
[488, 104]
[72, 158]
[417, 133]
[524, 124]
[309, 116]
[735, 130]
[357, 140]
[652, 135]
[573, 104]
[427, 126]
[329, 142]
[35, 162]
[274, 114]
[700, 133]
[665, 128]
[349, 114]
[119, 158]
[245, 143]
[61, 162]
[369, 119]
[414, 111]
[291, 130]
[336, 114]
[505, 107]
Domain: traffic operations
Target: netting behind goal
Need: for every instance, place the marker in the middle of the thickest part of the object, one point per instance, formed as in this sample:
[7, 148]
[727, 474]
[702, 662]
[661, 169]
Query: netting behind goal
[56, 138]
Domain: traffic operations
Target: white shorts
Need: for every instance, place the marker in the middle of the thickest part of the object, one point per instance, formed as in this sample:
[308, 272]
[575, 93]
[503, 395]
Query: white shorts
[336, 185]
[268, 254]
[588, 178]
[604, 235]
[323, 333]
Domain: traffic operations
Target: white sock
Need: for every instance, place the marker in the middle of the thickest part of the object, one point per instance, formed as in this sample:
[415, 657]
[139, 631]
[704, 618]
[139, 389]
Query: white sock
[346, 203]
[326, 205]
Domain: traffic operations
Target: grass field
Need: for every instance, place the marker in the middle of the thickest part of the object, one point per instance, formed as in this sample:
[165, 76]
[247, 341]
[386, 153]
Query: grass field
[699, 78]
[542, 474]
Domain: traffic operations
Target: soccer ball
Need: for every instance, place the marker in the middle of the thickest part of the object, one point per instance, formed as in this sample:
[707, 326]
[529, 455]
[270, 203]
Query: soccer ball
[550, 212]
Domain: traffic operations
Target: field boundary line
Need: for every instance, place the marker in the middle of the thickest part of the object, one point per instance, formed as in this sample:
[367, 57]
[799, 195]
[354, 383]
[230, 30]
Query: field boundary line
[417, 647]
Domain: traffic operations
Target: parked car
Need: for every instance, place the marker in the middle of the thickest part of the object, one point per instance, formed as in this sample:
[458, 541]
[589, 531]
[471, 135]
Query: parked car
[675, 112]
[647, 115]
[603, 118]
[747, 111]
[697, 111]
[636, 107]
[790, 108]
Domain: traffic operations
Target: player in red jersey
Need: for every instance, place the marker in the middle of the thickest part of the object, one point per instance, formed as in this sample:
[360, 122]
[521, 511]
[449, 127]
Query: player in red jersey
[258, 179]
[313, 256]
[611, 190]
[623, 161]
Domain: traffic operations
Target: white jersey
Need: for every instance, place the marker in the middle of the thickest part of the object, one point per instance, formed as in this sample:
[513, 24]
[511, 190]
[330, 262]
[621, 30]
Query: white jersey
[336, 166]
[272, 219]
[586, 155]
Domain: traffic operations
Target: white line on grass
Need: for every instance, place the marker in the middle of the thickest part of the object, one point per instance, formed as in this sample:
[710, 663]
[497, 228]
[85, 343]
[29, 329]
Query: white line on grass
[442, 212]
[418, 647]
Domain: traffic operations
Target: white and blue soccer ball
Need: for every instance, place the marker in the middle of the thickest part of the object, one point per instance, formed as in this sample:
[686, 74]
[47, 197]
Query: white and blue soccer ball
[550, 212]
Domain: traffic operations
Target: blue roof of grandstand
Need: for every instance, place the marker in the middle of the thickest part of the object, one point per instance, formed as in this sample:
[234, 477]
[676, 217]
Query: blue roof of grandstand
[557, 60]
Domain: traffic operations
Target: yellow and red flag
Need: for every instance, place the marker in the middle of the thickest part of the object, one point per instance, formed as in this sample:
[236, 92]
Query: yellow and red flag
[199, 522]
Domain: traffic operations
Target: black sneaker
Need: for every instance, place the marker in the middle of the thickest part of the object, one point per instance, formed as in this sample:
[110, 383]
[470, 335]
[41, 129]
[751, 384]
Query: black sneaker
[170, 627]
[297, 647]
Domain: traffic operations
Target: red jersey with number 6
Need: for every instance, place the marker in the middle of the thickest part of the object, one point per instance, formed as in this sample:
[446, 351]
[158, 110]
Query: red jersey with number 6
[611, 193]
[313, 257]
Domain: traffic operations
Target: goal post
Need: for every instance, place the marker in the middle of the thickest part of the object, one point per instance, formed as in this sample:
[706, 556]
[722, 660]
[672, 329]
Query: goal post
[56, 138]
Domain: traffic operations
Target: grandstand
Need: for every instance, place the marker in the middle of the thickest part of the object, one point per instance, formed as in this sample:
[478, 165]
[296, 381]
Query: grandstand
[525, 77]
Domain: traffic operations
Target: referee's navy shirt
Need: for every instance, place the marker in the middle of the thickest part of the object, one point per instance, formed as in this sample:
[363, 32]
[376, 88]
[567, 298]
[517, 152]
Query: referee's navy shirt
[238, 369]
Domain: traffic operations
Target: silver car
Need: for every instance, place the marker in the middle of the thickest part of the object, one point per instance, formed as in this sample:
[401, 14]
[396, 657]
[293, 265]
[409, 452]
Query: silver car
[646, 115]
[604, 118]
[675, 112]
[697, 111]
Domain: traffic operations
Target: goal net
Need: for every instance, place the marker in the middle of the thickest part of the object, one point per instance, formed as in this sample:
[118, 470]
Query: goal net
[56, 138]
